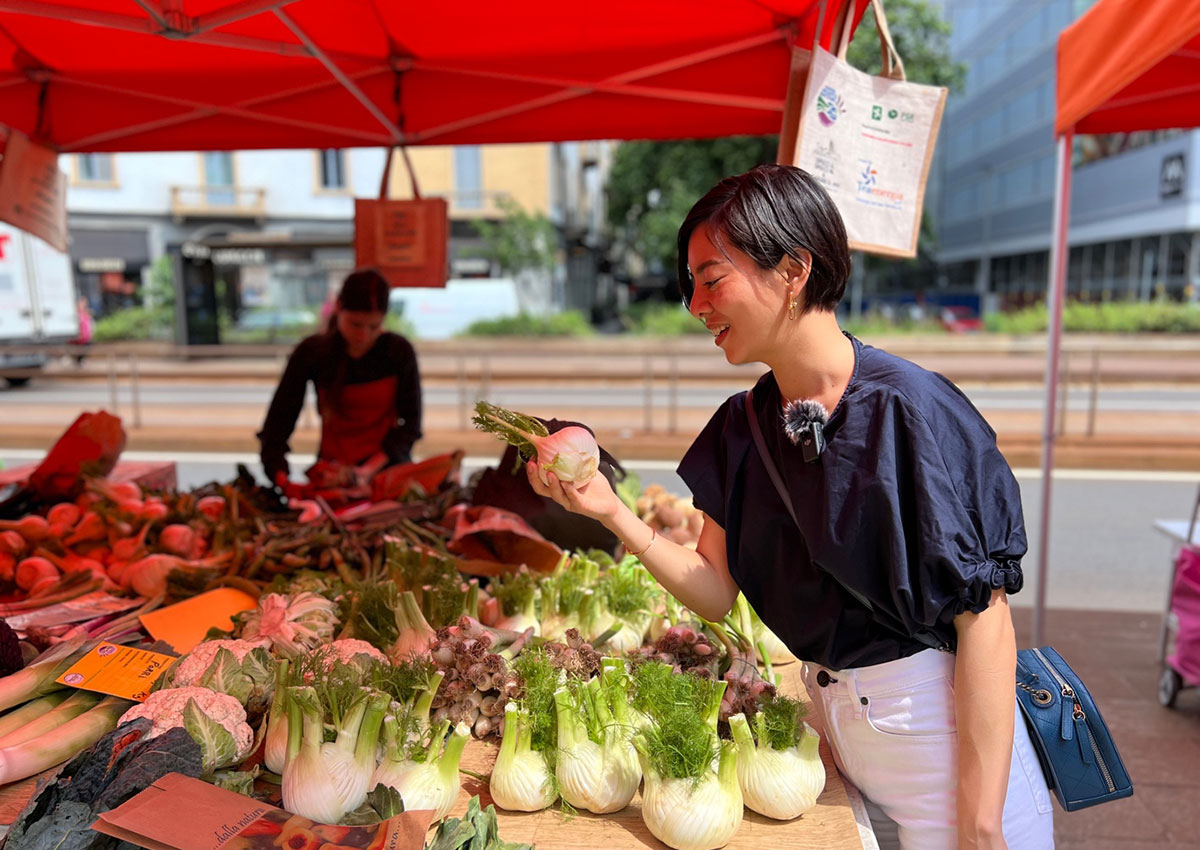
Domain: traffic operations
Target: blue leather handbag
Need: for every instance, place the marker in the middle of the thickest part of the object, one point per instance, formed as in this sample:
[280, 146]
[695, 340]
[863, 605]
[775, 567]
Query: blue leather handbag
[1078, 756]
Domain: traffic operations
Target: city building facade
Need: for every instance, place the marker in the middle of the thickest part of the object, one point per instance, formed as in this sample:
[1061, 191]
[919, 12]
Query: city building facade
[274, 228]
[1135, 209]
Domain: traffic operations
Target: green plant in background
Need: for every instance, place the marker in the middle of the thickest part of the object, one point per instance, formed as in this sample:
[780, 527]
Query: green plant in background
[520, 240]
[398, 323]
[658, 319]
[568, 323]
[876, 325]
[1109, 317]
[153, 319]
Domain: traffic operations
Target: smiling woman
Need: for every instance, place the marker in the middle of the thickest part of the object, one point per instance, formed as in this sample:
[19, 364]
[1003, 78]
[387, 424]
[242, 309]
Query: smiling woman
[899, 532]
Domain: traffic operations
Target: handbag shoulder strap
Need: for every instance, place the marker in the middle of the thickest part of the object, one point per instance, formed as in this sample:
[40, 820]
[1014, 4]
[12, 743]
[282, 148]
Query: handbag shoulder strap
[776, 479]
[761, 445]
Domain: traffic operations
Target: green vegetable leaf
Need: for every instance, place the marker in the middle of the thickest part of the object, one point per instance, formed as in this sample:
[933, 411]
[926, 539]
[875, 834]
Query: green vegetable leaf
[216, 742]
[453, 834]
[225, 675]
[237, 781]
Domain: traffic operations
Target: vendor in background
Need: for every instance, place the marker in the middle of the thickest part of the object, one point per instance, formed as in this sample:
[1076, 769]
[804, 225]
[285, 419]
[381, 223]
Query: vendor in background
[368, 391]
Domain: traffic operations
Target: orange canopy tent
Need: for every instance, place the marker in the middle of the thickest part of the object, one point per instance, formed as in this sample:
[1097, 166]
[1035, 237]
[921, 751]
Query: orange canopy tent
[1125, 65]
[132, 75]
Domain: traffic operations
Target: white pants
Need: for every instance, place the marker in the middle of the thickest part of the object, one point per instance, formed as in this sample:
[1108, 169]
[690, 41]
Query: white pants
[891, 728]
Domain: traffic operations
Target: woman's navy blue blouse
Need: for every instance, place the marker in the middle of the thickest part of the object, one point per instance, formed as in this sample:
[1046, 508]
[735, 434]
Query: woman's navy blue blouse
[911, 504]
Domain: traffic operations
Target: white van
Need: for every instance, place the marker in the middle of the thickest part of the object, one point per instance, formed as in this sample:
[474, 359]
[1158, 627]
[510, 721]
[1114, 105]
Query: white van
[38, 305]
[442, 312]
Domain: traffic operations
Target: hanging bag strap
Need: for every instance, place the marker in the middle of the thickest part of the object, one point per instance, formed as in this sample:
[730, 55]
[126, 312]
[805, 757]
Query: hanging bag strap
[891, 63]
[776, 479]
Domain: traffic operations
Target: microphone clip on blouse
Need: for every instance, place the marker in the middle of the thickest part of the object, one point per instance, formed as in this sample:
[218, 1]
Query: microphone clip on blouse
[804, 423]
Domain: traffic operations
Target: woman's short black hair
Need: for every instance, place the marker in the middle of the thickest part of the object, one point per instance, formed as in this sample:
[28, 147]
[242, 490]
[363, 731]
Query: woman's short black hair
[364, 291]
[767, 213]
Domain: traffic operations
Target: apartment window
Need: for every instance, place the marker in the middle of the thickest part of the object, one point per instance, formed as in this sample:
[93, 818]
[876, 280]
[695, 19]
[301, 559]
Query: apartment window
[333, 169]
[468, 177]
[963, 202]
[218, 178]
[95, 167]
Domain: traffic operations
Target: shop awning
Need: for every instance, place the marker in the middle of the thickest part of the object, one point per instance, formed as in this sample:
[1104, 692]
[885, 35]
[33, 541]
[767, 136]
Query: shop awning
[1130, 65]
[115, 75]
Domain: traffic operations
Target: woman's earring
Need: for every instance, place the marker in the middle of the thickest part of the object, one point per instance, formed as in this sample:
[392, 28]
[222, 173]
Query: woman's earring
[792, 307]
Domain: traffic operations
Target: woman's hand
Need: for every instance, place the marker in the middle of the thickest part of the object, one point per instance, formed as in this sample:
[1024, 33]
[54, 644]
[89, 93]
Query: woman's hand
[594, 499]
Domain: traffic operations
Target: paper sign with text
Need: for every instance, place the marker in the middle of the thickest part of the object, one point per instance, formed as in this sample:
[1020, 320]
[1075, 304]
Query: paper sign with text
[223, 820]
[118, 671]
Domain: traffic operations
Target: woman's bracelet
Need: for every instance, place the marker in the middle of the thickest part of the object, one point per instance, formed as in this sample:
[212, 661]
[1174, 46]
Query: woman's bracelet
[646, 548]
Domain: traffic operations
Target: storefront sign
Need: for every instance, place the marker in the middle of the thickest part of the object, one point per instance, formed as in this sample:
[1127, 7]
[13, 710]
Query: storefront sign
[33, 192]
[1173, 176]
[405, 240]
[95, 265]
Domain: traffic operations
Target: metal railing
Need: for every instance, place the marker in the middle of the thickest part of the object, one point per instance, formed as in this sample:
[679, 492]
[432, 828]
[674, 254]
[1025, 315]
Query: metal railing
[212, 201]
[657, 368]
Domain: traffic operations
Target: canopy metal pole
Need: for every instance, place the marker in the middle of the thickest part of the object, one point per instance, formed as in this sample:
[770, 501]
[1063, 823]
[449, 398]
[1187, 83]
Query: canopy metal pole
[1054, 306]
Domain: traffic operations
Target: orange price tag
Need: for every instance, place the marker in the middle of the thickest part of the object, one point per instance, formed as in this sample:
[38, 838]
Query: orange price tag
[118, 671]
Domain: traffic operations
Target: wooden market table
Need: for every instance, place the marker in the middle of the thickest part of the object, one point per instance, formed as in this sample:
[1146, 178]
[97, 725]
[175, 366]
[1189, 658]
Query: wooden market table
[837, 822]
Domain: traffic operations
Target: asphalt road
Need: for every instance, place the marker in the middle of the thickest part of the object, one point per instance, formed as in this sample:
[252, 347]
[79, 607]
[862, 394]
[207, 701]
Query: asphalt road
[47, 392]
[1104, 551]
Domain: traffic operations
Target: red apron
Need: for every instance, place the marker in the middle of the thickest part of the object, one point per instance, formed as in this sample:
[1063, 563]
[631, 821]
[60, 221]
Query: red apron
[354, 428]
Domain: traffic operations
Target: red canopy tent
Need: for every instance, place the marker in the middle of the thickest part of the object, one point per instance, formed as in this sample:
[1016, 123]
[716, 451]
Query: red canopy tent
[132, 75]
[1125, 65]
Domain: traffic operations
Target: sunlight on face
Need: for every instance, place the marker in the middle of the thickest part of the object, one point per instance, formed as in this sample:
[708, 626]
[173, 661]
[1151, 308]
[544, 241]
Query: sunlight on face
[359, 329]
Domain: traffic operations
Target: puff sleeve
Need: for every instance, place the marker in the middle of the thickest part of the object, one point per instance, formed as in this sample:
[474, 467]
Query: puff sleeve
[958, 529]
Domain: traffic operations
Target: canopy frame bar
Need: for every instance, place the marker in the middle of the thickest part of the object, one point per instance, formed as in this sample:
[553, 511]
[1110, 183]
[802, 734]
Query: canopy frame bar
[626, 77]
[706, 98]
[349, 85]
[238, 111]
[144, 26]
[235, 12]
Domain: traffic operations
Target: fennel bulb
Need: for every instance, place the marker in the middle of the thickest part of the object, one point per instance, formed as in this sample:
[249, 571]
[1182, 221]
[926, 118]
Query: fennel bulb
[521, 779]
[276, 745]
[308, 788]
[597, 767]
[350, 758]
[694, 814]
[571, 453]
[431, 784]
[781, 784]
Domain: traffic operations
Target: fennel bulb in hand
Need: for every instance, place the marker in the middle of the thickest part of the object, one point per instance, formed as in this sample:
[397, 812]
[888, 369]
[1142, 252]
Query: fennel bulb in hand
[571, 453]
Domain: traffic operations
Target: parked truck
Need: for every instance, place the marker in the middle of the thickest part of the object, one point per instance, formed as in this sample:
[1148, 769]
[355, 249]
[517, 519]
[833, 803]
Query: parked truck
[38, 304]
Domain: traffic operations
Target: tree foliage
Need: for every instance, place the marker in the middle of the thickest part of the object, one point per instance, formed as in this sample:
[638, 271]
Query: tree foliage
[652, 185]
[519, 241]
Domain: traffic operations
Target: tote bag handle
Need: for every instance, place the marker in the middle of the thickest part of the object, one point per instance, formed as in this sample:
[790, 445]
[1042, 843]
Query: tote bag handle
[893, 65]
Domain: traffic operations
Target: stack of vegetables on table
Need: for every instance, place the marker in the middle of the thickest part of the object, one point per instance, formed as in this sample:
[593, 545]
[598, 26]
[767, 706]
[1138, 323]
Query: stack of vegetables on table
[382, 644]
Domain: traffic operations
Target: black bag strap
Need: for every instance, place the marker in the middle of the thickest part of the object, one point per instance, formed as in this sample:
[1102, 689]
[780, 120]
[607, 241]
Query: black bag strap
[776, 479]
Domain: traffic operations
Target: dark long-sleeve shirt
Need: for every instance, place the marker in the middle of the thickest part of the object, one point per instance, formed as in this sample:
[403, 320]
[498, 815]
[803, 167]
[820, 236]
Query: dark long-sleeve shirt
[911, 505]
[342, 383]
